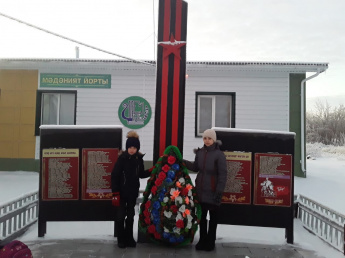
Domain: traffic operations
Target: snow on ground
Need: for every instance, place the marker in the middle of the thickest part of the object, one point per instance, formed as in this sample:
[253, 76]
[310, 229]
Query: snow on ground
[17, 184]
[324, 183]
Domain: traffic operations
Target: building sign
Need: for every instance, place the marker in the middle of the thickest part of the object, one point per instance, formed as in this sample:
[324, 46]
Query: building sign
[60, 174]
[96, 170]
[238, 184]
[134, 112]
[75, 80]
[273, 179]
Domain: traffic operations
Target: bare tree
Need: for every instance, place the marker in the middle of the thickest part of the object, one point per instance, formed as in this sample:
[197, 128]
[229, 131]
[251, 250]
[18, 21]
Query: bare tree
[326, 125]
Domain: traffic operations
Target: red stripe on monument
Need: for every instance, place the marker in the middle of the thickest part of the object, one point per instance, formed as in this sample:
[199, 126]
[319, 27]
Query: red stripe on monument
[176, 87]
[164, 85]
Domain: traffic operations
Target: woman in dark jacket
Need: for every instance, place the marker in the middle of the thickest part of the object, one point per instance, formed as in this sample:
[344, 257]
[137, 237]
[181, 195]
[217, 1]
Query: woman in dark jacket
[210, 163]
[125, 185]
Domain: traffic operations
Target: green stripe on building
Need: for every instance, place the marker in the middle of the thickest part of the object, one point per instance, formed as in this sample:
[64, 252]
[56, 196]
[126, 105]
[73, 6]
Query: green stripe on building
[19, 164]
[295, 119]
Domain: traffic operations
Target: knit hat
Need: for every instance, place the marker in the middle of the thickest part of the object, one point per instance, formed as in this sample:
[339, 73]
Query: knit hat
[210, 133]
[132, 140]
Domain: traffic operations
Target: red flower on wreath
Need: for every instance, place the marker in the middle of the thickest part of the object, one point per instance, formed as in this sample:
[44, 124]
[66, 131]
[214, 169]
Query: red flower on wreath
[184, 192]
[165, 168]
[154, 189]
[146, 213]
[157, 235]
[158, 182]
[162, 176]
[180, 223]
[147, 220]
[171, 160]
[151, 229]
[174, 208]
[148, 204]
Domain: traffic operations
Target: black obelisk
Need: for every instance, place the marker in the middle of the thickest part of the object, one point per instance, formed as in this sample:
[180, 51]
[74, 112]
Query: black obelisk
[171, 74]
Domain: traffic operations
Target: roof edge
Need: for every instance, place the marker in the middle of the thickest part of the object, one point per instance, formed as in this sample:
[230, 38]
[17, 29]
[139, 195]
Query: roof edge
[234, 63]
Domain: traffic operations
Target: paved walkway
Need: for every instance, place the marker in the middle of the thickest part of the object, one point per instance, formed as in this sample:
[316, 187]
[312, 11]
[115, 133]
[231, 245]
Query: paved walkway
[105, 248]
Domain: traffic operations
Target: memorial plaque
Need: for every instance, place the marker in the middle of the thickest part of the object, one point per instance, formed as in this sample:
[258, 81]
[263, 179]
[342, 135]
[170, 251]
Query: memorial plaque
[238, 184]
[60, 174]
[96, 170]
[273, 174]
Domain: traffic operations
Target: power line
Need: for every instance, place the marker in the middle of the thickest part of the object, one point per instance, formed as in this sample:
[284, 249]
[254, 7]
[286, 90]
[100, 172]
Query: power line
[73, 40]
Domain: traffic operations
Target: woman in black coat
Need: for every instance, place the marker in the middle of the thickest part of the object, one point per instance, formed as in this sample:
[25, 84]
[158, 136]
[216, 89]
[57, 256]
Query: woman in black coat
[125, 185]
[210, 163]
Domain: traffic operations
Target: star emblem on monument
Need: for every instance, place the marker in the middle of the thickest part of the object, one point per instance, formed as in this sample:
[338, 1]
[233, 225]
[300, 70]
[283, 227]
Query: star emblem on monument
[172, 47]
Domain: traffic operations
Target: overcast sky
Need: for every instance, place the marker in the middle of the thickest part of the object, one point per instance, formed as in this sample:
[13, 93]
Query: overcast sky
[218, 30]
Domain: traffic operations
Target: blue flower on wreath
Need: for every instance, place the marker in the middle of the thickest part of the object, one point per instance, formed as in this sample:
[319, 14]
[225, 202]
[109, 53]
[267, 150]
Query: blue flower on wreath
[175, 167]
[156, 220]
[155, 213]
[161, 197]
[166, 235]
[172, 239]
[180, 239]
[163, 190]
[156, 205]
[168, 180]
[171, 174]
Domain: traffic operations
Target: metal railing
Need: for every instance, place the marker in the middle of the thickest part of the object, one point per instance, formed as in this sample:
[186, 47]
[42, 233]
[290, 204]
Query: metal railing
[324, 222]
[17, 215]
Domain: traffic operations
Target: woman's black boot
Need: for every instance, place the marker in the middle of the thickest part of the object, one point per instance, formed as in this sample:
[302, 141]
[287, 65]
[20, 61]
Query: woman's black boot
[211, 236]
[130, 242]
[120, 225]
[203, 234]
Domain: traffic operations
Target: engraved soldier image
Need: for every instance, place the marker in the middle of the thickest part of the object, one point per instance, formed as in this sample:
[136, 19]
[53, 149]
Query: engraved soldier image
[267, 188]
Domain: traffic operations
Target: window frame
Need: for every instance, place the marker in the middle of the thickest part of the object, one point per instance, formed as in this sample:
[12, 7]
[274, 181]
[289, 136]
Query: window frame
[213, 95]
[39, 94]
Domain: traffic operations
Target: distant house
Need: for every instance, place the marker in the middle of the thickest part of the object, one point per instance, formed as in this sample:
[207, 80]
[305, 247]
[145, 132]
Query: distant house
[247, 95]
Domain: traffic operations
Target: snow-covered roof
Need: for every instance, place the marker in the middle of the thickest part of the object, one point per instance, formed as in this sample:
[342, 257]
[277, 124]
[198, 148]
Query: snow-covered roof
[191, 65]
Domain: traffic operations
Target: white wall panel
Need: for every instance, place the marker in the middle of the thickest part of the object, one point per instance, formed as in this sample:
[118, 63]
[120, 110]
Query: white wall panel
[262, 101]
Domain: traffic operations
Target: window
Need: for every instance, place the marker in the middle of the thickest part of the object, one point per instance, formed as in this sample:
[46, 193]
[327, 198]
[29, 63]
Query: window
[214, 109]
[55, 108]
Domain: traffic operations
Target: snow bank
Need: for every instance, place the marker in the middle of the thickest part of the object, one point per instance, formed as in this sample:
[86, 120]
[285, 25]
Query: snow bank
[317, 150]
